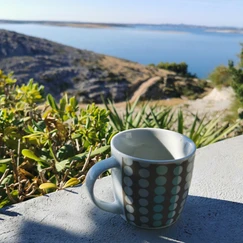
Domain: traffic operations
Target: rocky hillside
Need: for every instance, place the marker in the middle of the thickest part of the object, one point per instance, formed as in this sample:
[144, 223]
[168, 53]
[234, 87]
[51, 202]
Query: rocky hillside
[86, 74]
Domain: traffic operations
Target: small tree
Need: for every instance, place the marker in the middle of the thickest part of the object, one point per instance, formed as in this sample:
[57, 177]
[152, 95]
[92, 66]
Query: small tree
[237, 80]
[221, 76]
[237, 76]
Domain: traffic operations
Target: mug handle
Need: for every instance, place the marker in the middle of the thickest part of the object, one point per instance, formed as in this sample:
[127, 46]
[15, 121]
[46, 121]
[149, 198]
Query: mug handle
[92, 176]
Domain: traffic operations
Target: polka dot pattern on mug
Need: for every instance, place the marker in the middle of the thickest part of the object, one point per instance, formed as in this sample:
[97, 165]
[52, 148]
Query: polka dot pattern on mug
[154, 195]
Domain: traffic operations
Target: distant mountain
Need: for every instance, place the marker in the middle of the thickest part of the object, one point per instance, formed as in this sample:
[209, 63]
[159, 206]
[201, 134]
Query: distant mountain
[86, 74]
[223, 29]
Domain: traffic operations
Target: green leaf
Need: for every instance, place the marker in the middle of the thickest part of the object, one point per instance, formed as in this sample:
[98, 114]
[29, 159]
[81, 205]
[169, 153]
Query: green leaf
[63, 102]
[100, 150]
[29, 154]
[7, 179]
[3, 167]
[180, 121]
[79, 157]
[154, 118]
[47, 185]
[139, 117]
[192, 129]
[5, 161]
[4, 202]
[52, 102]
[61, 165]
[76, 135]
[73, 102]
[71, 182]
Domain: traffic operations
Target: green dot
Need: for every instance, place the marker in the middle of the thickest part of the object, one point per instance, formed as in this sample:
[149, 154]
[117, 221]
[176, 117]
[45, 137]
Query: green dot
[189, 167]
[144, 173]
[171, 214]
[182, 203]
[188, 177]
[157, 216]
[157, 223]
[143, 202]
[160, 180]
[173, 206]
[130, 217]
[174, 199]
[158, 208]
[185, 194]
[162, 170]
[176, 180]
[143, 192]
[143, 183]
[175, 189]
[159, 190]
[170, 221]
[187, 185]
[143, 210]
[128, 191]
[128, 162]
[128, 170]
[128, 181]
[144, 219]
[177, 171]
[159, 199]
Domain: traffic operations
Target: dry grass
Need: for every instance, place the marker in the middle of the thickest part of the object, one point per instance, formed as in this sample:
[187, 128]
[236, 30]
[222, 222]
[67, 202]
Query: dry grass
[134, 72]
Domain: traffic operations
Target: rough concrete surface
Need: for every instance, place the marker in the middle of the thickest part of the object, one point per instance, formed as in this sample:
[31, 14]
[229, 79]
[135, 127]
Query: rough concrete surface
[213, 211]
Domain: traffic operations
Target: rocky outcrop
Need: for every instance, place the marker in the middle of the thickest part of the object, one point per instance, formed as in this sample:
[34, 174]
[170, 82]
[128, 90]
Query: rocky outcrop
[85, 74]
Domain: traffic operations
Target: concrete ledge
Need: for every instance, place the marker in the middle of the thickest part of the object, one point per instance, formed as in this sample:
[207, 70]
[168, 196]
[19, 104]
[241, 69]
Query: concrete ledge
[213, 211]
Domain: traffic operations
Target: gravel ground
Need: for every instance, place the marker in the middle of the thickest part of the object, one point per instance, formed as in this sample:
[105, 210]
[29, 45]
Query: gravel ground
[216, 101]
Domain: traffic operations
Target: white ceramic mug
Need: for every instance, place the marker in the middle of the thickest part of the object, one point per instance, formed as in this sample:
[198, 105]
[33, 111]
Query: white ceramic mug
[151, 175]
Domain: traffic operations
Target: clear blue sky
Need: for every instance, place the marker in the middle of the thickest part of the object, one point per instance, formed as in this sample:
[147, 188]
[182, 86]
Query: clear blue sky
[198, 12]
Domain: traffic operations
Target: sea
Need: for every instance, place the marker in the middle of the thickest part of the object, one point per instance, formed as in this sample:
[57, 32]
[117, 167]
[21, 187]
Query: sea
[146, 44]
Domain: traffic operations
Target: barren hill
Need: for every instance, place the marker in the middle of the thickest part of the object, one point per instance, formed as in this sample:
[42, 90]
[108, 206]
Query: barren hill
[86, 74]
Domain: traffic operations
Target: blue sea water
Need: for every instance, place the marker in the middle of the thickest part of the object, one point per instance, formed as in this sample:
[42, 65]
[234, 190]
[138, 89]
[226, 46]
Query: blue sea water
[202, 51]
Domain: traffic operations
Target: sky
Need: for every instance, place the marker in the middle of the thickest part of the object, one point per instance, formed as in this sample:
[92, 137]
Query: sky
[197, 12]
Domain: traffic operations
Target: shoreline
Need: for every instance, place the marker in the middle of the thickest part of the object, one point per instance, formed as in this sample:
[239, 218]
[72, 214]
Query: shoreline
[75, 24]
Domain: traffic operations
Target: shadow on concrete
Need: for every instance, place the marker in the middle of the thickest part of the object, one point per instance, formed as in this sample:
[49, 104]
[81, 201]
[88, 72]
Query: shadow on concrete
[203, 220]
[5, 211]
[71, 191]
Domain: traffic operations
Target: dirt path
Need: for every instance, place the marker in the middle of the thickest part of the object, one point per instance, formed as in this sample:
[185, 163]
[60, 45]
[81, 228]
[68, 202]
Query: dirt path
[216, 101]
[143, 88]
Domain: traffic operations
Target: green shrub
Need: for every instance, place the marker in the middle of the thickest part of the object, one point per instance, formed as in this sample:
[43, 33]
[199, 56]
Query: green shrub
[202, 131]
[179, 68]
[221, 76]
[230, 76]
[47, 145]
[237, 80]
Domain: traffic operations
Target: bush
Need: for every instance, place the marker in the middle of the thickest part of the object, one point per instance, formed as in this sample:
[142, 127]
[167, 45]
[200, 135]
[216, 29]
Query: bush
[47, 145]
[237, 80]
[179, 68]
[202, 131]
[221, 76]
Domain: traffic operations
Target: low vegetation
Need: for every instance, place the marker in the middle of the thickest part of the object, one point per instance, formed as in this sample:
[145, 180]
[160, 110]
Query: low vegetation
[47, 145]
[232, 75]
[179, 68]
[221, 77]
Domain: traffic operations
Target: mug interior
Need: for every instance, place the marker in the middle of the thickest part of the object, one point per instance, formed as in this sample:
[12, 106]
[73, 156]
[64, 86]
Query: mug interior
[153, 144]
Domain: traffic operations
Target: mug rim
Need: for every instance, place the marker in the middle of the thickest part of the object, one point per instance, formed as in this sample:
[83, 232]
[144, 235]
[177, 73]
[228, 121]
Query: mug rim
[165, 161]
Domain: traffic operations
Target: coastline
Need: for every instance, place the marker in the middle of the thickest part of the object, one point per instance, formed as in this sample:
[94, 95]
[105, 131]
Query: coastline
[225, 31]
[80, 25]
[177, 29]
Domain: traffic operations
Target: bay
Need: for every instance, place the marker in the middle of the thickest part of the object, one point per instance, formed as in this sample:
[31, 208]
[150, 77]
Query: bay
[202, 51]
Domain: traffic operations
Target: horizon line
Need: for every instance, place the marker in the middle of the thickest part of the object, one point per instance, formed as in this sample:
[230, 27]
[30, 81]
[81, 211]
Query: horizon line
[119, 23]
